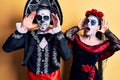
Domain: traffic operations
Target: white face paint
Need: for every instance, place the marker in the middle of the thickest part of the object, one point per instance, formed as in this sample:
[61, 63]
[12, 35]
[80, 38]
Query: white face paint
[43, 19]
[91, 25]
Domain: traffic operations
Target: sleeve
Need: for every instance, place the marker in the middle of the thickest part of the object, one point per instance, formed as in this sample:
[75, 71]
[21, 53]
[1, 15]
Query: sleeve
[114, 41]
[70, 33]
[15, 41]
[112, 48]
[105, 55]
[62, 46]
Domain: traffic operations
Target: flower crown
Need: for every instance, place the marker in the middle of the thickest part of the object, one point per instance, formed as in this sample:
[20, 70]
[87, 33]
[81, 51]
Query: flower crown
[94, 12]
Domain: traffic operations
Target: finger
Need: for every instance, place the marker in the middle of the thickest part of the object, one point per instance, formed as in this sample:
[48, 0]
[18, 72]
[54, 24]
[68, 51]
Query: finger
[50, 27]
[57, 16]
[99, 30]
[32, 15]
[26, 15]
[103, 22]
[106, 23]
[53, 16]
[81, 23]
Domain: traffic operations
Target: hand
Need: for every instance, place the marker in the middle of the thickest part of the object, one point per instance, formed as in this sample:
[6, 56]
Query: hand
[27, 21]
[55, 19]
[104, 26]
[81, 24]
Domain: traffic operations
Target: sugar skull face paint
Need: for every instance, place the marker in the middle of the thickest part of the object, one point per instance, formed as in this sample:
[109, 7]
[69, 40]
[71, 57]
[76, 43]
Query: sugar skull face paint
[91, 24]
[92, 21]
[43, 19]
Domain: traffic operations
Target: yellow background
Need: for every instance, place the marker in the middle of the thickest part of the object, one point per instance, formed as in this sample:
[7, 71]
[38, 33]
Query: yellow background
[11, 11]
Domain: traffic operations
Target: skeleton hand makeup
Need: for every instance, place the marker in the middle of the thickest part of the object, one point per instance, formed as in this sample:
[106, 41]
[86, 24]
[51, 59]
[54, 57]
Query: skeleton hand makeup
[43, 19]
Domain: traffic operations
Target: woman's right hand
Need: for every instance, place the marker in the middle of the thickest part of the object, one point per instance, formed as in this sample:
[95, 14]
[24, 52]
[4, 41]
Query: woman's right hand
[28, 20]
[81, 24]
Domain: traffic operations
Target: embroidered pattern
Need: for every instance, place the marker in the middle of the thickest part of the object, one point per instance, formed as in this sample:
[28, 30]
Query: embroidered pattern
[38, 60]
[43, 43]
[32, 5]
[17, 36]
[71, 32]
[46, 59]
[55, 57]
[60, 36]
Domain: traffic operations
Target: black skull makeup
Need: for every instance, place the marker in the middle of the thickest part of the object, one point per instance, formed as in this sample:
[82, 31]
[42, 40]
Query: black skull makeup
[43, 19]
[92, 21]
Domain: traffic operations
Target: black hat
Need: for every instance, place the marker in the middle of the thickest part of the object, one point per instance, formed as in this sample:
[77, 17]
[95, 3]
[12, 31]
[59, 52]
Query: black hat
[32, 5]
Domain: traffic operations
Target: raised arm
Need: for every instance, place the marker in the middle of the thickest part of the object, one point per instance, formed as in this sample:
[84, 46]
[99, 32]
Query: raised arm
[60, 41]
[114, 41]
[70, 32]
[62, 46]
[17, 39]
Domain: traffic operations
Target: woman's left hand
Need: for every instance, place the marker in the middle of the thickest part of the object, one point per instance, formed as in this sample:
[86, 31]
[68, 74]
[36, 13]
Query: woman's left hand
[104, 26]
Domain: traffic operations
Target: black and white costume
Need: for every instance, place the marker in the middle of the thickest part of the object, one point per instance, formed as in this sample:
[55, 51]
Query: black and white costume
[42, 51]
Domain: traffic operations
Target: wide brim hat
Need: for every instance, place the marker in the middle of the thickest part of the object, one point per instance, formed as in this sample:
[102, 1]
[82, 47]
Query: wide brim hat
[32, 5]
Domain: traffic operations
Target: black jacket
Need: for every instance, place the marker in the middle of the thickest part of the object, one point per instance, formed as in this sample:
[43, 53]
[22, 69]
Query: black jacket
[36, 59]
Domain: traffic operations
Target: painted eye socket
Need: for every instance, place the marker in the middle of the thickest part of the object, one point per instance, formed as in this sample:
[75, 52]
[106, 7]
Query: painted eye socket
[93, 22]
[86, 21]
[39, 17]
[46, 17]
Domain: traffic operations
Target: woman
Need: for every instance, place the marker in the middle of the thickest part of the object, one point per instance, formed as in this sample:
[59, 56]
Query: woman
[90, 47]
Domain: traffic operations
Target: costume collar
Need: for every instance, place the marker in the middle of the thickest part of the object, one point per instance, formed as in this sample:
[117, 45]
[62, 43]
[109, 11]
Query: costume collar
[92, 49]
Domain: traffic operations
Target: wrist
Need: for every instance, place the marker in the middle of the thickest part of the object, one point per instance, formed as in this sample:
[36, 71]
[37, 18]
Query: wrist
[56, 29]
[20, 28]
[107, 31]
[23, 27]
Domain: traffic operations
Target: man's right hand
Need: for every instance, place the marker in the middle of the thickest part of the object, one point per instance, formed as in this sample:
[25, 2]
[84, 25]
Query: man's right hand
[28, 21]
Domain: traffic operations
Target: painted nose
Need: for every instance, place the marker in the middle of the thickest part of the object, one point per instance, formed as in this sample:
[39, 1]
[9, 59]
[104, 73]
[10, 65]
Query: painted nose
[42, 21]
[89, 23]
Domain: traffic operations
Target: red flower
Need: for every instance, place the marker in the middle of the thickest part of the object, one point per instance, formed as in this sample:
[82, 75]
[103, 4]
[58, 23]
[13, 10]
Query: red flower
[92, 73]
[86, 68]
[91, 69]
[99, 14]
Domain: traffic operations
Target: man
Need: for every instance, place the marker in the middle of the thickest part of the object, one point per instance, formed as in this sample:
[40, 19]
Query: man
[43, 46]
